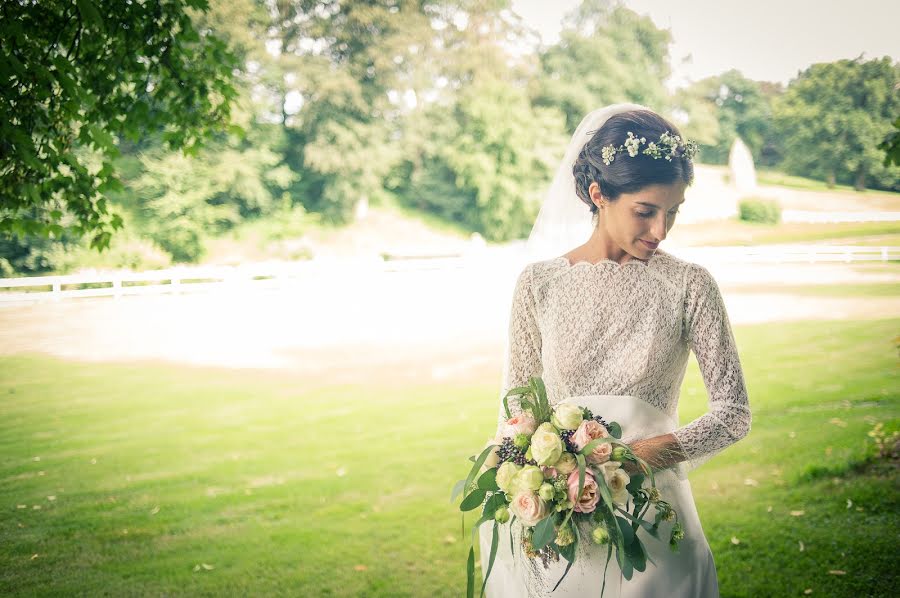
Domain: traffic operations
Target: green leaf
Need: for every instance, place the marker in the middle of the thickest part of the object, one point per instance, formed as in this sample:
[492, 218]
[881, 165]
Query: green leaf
[488, 480]
[544, 532]
[470, 574]
[637, 554]
[473, 500]
[589, 447]
[615, 430]
[89, 13]
[458, 487]
[651, 529]
[626, 531]
[495, 540]
[497, 500]
[637, 480]
[581, 473]
[478, 463]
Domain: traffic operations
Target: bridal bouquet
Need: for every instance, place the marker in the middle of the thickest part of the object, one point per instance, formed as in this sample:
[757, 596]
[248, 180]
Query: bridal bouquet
[554, 468]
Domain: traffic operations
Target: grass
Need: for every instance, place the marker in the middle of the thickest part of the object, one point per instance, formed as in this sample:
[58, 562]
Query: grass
[780, 179]
[282, 486]
[886, 289]
[734, 232]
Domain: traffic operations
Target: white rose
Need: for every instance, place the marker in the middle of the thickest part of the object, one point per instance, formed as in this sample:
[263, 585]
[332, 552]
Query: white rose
[567, 416]
[546, 445]
[506, 474]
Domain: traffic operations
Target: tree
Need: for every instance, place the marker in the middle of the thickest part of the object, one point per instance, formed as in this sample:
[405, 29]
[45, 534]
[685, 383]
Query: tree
[478, 152]
[78, 76]
[606, 54]
[742, 108]
[832, 118]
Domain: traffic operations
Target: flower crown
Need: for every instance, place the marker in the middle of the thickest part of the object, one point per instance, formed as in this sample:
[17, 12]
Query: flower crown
[667, 147]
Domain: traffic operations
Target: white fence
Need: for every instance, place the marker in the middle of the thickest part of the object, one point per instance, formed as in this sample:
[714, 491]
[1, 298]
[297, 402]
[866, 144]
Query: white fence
[280, 274]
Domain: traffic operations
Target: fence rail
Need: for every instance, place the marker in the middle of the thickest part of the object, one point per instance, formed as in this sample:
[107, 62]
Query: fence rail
[275, 275]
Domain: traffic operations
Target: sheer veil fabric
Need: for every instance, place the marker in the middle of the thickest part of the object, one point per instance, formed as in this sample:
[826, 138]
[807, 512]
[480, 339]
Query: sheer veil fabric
[564, 220]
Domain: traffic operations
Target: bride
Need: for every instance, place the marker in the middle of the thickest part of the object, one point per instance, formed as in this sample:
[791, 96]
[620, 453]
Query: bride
[609, 325]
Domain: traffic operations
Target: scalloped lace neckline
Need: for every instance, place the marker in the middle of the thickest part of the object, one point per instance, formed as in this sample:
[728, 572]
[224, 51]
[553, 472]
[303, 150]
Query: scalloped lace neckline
[604, 261]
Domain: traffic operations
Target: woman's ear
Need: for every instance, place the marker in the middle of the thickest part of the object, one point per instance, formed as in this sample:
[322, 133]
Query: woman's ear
[596, 195]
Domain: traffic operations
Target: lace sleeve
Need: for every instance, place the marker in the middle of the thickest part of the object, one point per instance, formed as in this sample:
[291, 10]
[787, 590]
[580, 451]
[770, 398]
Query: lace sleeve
[523, 348]
[708, 333]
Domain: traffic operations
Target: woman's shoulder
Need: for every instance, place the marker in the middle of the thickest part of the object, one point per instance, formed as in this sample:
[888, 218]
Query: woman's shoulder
[537, 273]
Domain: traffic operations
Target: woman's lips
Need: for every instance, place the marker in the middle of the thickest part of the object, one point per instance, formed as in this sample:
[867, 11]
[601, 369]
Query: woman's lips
[650, 245]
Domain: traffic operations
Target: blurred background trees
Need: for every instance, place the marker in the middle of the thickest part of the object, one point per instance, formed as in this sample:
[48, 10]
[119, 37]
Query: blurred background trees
[232, 112]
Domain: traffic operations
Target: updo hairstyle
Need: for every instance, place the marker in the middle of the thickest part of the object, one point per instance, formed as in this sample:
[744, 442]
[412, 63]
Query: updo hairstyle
[626, 174]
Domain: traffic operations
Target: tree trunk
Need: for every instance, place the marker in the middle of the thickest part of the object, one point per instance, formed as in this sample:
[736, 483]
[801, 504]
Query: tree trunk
[829, 179]
[860, 184]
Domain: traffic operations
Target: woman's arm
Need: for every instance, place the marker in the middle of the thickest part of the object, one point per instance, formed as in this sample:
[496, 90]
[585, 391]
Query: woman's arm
[523, 351]
[708, 333]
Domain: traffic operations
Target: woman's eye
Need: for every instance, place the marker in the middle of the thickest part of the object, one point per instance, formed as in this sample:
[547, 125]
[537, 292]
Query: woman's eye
[645, 214]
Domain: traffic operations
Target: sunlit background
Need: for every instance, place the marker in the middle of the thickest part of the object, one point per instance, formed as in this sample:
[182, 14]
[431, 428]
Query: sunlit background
[270, 379]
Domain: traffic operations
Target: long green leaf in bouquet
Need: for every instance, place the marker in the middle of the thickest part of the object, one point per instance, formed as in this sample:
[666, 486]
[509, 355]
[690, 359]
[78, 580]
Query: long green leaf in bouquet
[542, 412]
[477, 465]
[470, 573]
[458, 487]
[495, 540]
[518, 391]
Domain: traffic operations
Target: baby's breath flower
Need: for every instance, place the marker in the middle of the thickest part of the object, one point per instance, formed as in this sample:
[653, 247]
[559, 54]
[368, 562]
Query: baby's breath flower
[609, 154]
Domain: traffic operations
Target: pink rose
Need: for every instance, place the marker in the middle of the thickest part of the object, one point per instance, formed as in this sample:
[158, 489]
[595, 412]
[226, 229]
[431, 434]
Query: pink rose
[549, 472]
[590, 495]
[529, 507]
[520, 424]
[591, 430]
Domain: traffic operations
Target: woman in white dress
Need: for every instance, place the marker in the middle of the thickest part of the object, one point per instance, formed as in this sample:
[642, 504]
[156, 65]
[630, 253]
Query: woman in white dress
[609, 325]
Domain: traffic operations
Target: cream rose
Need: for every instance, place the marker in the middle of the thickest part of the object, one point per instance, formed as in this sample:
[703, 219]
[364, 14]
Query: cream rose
[528, 507]
[617, 479]
[567, 416]
[566, 464]
[506, 474]
[546, 445]
[528, 478]
[587, 431]
[520, 424]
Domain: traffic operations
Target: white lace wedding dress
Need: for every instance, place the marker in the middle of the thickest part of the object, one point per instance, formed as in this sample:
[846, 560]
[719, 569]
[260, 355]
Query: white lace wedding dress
[616, 337]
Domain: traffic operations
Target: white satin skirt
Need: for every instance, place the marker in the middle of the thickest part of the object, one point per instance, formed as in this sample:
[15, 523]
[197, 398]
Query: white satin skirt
[689, 573]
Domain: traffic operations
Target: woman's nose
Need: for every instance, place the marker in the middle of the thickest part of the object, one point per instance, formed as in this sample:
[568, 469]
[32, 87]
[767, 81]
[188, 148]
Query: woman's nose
[660, 228]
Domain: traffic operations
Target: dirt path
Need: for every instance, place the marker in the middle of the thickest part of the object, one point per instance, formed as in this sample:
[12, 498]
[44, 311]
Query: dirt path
[430, 325]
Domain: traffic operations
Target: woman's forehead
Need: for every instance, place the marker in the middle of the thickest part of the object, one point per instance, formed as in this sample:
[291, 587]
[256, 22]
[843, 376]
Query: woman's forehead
[659, 196]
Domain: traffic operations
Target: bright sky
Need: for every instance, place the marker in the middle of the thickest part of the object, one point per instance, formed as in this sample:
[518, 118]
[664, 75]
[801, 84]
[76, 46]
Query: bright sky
[769, 40]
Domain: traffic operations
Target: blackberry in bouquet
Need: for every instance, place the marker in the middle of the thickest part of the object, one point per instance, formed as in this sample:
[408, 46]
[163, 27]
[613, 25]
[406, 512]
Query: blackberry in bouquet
[558, 472]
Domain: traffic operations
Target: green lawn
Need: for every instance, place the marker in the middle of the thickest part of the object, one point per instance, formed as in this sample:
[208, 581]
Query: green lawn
[780, 179]
[282, 487]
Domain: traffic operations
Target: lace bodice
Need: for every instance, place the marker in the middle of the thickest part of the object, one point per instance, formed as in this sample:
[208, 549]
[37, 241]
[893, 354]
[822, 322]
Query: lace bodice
[627, 329]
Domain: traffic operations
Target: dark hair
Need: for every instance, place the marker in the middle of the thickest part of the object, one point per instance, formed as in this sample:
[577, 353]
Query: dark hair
[627, 174]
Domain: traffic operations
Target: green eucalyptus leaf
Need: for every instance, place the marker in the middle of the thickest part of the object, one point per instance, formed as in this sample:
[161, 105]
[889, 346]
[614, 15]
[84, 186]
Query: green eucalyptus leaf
[488, 480]
[544, 532]
[473, 500]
